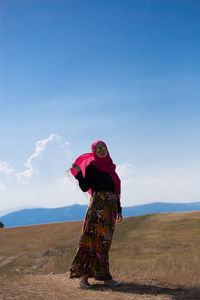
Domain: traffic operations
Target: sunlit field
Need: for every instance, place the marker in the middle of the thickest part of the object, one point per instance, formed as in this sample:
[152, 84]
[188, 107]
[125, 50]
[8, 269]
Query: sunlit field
[153, 256]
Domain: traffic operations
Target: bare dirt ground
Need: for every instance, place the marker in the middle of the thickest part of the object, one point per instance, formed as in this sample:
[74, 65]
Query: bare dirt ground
[60, 287]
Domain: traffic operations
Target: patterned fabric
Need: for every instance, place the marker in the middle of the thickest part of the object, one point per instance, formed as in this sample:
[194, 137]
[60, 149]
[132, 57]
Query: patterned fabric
[96, 237]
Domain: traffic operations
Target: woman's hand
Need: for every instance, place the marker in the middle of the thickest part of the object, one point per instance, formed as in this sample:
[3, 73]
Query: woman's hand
[76, 167]
[119, 217]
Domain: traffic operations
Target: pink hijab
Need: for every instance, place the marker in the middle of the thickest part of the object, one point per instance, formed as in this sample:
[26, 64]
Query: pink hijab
[103, 164]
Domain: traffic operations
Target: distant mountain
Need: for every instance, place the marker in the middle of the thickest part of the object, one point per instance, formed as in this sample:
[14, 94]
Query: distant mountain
[159, 207]
[44, 215]
[8, 211]
[77, 212]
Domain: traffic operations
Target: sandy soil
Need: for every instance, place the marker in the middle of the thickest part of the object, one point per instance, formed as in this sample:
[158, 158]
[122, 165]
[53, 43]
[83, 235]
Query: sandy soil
[60, 287]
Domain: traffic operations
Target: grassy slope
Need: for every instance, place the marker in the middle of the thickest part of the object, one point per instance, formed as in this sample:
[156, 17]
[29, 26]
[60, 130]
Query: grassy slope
[161, 249]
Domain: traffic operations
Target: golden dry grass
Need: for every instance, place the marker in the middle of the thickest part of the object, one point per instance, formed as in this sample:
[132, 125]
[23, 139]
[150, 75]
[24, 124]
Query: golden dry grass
[154, 256]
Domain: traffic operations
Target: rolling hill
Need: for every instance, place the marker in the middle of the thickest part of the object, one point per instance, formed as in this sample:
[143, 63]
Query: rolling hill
[155, 256]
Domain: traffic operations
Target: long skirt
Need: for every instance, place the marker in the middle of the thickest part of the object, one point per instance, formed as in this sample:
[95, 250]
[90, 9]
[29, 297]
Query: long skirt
[96, 237]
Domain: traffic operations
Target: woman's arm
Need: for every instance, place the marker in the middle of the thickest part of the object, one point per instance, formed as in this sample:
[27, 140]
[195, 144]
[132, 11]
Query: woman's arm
[84, 182]
[119, 217]
[119, 211]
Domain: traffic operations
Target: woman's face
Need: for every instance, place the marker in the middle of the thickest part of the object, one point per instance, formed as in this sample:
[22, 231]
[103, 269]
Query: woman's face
[101, 150]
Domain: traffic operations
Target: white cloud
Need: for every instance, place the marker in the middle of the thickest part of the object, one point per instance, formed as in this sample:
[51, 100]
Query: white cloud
[125, 170]
[48, 163]
[40, 147]
[141, 186]
[5, 168]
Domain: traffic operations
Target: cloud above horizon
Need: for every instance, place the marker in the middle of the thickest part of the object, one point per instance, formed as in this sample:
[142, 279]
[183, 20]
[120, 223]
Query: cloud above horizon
[5, 168]
[40, 147]
[39, 184]
[43, 181]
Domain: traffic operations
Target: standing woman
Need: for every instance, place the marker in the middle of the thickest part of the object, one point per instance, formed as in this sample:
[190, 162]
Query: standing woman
[96, 174]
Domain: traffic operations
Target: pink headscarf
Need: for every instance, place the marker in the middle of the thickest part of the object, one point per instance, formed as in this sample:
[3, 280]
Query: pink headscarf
[103, 164]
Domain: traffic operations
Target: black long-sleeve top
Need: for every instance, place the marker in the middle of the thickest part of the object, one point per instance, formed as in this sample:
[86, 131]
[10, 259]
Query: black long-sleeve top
[97, 181]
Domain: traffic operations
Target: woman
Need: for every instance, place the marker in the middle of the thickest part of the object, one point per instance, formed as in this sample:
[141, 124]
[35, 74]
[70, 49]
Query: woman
[96, 174]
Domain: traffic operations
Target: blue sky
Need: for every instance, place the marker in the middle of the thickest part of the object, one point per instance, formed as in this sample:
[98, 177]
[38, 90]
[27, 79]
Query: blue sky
[126, 72]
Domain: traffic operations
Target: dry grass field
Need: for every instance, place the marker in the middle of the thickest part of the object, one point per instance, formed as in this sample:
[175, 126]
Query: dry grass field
[154, 257]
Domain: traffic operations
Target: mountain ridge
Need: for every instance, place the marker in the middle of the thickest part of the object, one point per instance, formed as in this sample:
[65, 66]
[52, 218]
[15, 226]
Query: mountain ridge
[75, 212]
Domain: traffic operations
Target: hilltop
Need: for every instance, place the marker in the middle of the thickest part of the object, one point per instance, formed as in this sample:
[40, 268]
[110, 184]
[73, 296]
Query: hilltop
[155, 256]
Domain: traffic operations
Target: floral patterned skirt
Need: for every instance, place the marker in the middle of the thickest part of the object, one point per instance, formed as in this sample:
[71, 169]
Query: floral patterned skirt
[96, 237]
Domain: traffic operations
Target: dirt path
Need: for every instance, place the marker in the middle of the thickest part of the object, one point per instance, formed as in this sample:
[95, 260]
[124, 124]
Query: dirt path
[60, 287]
